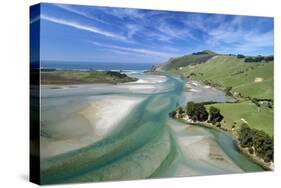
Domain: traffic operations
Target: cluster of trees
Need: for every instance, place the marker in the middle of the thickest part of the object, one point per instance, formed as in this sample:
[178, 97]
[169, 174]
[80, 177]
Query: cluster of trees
[200, 53]
[198, 112]
[116, 74]
[215, 115]
[258, 59]
[268, 102]
[257, 141]
[240, 56]
[180, 112]
[269, 58]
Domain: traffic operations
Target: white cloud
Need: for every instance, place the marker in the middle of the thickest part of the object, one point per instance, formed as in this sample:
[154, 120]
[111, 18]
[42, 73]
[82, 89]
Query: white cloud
[234, 36]
[133, 29]
[71, 9]
[125, 13]
[80, 26]
[136, 50]
[173, 32]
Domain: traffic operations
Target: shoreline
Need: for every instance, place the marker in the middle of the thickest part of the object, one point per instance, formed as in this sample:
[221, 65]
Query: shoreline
[237, 99]
[255, 159]
[266, 166]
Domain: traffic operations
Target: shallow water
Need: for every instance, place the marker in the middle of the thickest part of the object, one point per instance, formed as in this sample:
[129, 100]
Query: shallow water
[145, 143]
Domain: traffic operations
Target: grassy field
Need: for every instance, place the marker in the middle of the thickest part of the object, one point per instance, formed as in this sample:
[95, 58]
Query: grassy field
[262, 120]
[249, 79]
[83, 77]
[253, 80]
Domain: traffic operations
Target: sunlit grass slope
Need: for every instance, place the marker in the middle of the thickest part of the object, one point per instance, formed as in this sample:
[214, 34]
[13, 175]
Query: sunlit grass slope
[261, 118]
[250, 79]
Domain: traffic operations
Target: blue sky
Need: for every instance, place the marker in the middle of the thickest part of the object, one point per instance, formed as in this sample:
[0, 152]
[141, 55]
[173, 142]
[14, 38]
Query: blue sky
[98, 34]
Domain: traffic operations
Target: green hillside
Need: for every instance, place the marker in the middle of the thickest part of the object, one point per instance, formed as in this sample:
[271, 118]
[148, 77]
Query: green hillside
[242, 79]
[192, 59]
[249, 79]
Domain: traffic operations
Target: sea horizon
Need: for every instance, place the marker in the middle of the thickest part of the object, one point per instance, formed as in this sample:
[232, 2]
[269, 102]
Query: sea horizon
[96, 65]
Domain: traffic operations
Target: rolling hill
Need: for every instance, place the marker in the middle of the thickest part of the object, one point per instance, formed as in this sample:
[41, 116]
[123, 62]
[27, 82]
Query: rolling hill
[253, 80]
[245, 80]
[192, 59]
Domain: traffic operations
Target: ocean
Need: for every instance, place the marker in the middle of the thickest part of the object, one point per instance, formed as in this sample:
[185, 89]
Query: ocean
[97, 65]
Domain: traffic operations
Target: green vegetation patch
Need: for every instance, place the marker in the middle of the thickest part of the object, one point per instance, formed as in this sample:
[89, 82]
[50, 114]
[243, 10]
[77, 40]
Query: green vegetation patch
[260, 118]
[83, 77]
[257, 142]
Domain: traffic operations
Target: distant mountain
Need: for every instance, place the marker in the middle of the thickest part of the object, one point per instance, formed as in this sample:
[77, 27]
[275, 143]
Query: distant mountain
[191, 59]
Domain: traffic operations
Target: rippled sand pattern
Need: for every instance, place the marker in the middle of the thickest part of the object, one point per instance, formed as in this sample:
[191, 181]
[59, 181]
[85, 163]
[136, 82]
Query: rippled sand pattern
[103, 132]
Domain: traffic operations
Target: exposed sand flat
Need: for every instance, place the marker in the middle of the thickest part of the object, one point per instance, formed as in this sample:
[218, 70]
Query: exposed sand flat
[138, 88]
[195, 83]
[109, 111]
[194, 90]
[141, 88]
[144, 84]
[199, 146]
[86, 126]
[205, 151]
[200, 93]
[152, 79]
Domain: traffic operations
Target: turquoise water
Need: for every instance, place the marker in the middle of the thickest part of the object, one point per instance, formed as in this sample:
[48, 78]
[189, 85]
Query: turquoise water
[147, 143]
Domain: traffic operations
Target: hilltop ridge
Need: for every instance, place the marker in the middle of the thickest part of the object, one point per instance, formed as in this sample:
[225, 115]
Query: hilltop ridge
[190, 59]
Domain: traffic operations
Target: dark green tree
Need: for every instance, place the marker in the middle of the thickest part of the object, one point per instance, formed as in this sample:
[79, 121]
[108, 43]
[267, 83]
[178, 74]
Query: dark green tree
[263, 145]
[196, 111]
[245, 136]
[215, 115]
